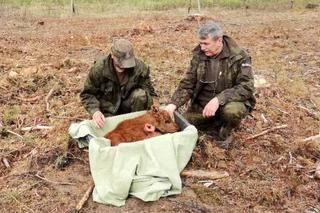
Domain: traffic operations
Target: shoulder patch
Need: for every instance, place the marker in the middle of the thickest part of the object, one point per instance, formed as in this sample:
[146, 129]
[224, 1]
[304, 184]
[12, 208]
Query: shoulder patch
[245, 65]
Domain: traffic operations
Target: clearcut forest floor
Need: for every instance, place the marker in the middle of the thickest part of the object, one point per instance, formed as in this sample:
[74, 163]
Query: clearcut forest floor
[274, 172]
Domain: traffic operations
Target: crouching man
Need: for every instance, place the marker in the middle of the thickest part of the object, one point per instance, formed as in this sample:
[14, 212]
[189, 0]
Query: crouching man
[117, 84]
[219, 84]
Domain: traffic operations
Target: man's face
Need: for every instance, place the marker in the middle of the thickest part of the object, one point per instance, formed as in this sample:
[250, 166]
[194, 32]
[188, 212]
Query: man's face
[116, 64]
[210, 46]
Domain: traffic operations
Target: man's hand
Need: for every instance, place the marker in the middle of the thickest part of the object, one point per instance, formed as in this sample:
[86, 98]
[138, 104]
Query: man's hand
[170, 108]
[98, 119]
[211, 108]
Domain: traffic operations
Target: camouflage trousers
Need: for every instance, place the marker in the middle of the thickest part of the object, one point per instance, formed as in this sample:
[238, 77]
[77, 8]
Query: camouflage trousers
[228, 116]
[137, 100]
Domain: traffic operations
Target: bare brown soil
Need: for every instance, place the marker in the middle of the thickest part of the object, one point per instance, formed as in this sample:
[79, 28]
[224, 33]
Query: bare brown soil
[270, 173]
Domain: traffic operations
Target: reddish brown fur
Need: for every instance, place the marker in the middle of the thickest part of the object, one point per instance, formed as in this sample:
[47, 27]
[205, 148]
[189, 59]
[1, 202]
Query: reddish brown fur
[133, 129]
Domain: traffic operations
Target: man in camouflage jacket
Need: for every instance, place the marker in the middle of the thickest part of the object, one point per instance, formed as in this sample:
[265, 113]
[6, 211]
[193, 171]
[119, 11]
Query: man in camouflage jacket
[116, 84]
[219, 84]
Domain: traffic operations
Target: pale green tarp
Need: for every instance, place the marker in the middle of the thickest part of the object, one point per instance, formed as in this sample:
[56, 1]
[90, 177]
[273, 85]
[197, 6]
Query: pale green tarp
[147, 169]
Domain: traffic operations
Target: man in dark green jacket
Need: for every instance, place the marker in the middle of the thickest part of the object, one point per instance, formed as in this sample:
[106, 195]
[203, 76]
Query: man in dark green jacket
[119, 83]
[219, 84]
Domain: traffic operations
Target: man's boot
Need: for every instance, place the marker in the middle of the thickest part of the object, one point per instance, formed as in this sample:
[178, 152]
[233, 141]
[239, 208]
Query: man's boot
[231, 116]
[225, 137]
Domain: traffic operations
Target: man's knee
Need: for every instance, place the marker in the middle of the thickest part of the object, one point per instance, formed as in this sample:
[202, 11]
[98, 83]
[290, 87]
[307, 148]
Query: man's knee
[140, 100]
[139, 94]
[234, 111]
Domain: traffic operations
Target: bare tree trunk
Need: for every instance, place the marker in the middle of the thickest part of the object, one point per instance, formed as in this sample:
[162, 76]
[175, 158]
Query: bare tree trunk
[246, 7]
[291, 4]
[199, 7]
[72, 8]
[189, 7]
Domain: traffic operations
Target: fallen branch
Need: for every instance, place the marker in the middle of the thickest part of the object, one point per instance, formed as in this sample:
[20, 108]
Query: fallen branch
[312, 138]
[84, 197]
[32, 152]
[280, 110]
[39, 127]
[265, 121]
[310, 112]
[29, 99]
[47, 99]
[291, 158]
[314, 104]
[6, 162]
[205, 174]
[66, 117]
[16, 134]
[266, 131]
[206, 183]
[54, 182]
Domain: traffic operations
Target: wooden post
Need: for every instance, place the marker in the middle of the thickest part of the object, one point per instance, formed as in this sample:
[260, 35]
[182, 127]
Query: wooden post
[72, 8]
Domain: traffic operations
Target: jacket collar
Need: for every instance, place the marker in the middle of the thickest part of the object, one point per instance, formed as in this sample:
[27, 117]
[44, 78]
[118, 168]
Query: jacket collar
[230, 49]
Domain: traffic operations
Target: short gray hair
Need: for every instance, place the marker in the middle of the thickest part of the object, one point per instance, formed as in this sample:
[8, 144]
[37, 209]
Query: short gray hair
[210, 29]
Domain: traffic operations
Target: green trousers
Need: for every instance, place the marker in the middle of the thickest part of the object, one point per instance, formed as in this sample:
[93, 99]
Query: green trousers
[228, 116]
[137, 100]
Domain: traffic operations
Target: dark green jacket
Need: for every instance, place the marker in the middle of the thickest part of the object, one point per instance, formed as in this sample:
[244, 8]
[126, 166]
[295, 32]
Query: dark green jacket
[102, 89]
[236, 82]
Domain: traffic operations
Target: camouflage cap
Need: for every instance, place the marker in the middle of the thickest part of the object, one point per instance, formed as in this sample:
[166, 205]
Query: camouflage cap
[123, 50]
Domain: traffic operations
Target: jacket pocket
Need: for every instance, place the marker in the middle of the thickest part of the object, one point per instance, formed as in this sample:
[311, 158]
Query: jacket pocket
[107, 88]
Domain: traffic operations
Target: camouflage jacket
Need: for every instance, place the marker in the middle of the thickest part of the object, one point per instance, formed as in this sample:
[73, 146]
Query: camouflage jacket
[236, 82]
[102, 89]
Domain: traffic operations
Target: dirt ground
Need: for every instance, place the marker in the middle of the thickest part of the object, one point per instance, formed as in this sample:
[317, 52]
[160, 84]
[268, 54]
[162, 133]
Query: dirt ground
[43, 64]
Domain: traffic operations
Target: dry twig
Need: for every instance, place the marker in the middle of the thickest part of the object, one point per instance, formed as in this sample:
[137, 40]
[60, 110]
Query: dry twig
[265, 121]
[312, 138]
[66, 117]
[205, 174]
[291, 158]
[48, 97]
[280, 110]
[84, 197]
[32, 152]
[266, 131]
[16, 134]
[54, 182]
[29, 128]
[29, 99]
[310, 112]
[6, 162]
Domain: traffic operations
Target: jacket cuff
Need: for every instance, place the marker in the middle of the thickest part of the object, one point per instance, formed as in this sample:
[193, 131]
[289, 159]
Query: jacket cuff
[221, 99]
[93, 110]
